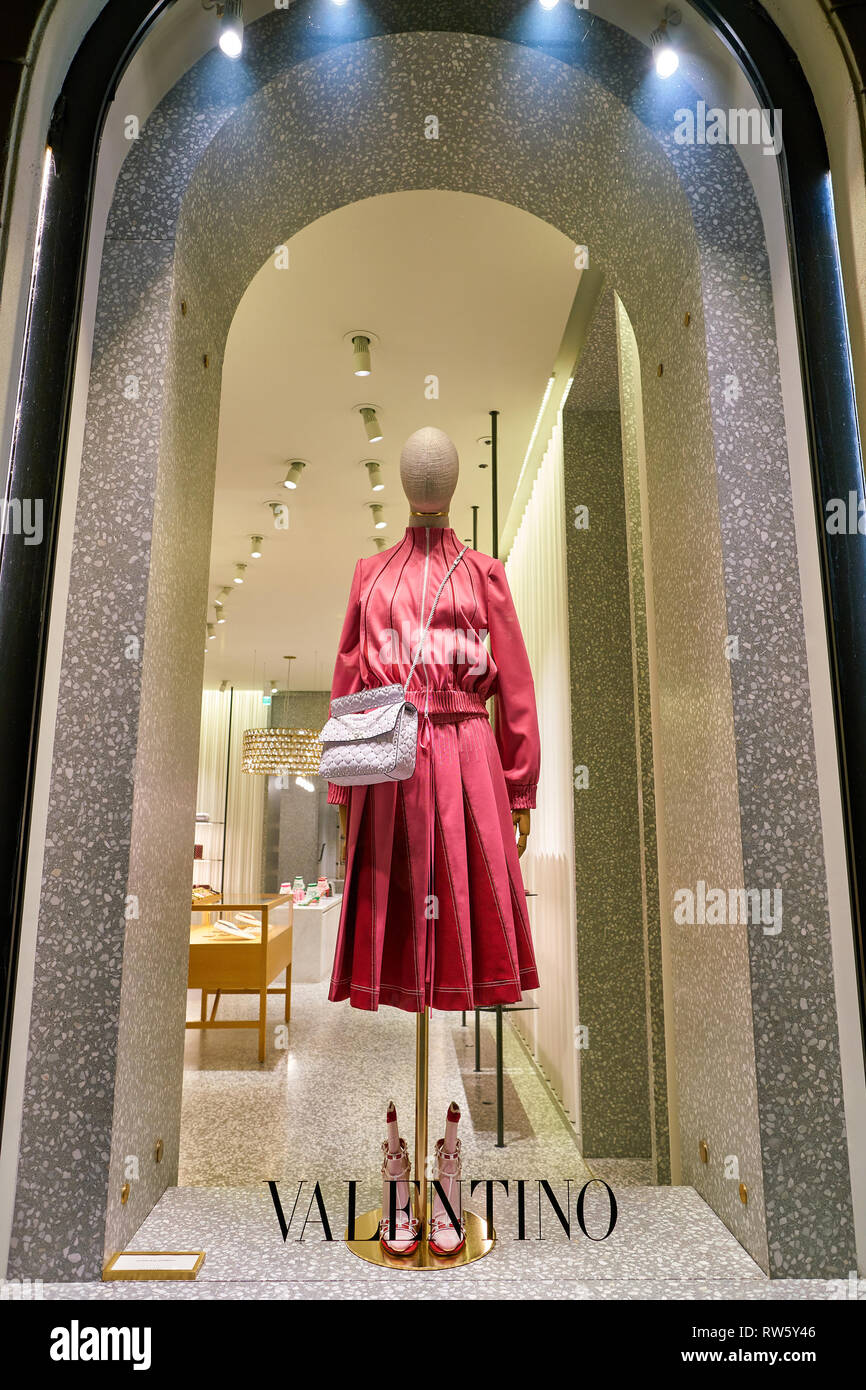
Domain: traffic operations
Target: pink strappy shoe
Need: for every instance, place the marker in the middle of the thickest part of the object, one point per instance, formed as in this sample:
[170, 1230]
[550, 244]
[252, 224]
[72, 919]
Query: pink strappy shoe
[445, 1237]
[404, 1236]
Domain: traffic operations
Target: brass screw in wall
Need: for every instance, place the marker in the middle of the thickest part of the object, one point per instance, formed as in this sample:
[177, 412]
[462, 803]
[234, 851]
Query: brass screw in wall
[124, 1194]
[687, 319]
[159, 1150]
[744, 1193]
[661, 368]
[703, 1150]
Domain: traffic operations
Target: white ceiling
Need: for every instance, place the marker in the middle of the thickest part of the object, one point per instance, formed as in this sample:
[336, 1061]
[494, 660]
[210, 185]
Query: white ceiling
[474, 291]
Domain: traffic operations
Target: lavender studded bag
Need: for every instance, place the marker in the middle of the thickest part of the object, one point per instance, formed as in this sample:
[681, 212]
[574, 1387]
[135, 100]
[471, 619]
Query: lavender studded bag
[372, 736]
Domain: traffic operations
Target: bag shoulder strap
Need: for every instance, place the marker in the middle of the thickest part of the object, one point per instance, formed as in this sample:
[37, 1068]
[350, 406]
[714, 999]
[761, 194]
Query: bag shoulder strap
[430, 619]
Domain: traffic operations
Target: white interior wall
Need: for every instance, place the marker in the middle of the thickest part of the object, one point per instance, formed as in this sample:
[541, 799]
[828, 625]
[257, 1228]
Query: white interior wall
[246, 791]
[537, 575]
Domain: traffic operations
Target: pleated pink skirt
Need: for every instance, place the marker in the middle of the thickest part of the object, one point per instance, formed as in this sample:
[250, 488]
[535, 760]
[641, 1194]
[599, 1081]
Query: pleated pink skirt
[434, 907]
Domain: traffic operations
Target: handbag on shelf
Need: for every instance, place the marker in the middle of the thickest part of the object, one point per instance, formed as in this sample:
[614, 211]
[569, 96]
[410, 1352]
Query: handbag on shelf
[372, 736]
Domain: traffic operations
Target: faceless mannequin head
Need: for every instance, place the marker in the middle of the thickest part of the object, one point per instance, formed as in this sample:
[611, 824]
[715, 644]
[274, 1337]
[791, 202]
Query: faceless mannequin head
[429, 468]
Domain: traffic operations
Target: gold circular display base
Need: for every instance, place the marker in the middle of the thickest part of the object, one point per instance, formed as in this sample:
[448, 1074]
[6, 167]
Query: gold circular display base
[478, 1244]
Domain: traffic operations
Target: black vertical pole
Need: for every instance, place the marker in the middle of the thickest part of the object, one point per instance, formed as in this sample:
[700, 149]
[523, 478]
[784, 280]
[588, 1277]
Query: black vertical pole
[474, 528]
[494, 464]
[494, 481]
[500, 1083]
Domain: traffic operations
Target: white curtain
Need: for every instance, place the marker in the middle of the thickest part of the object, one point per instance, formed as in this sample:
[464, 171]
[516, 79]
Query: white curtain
[536, 568]
[246, 793]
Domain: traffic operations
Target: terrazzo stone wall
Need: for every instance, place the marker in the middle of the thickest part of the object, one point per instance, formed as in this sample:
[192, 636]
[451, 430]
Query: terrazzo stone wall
[634, 477]
[114, 920]
[615, 1067]
[319, 112]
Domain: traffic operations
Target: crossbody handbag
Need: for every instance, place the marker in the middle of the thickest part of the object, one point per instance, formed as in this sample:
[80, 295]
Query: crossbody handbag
[372, 736]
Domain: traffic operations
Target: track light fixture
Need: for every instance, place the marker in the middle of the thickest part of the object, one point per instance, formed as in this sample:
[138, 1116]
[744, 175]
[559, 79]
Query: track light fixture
[231, 17]
[362, 364]
[219, 612]
[665, 56]
[363, 343]
[371, 423]
[240, 571]
[379, 542]
[211, 633]
[256, 547]
[378, 516]
[374, 469]
[293, 476]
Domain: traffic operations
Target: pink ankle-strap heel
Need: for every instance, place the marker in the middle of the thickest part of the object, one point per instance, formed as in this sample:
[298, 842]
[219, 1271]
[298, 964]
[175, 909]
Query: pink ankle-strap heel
[445, 1238]
[405, 1235]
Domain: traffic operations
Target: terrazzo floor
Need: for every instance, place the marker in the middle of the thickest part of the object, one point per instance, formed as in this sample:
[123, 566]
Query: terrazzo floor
[313, 1112]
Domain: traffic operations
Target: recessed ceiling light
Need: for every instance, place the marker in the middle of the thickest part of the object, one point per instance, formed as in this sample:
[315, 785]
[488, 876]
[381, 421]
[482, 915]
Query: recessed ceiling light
[361, 363]
[665, 56]
[293, 476]
[371, 423]
[231, 17]
[374, 469]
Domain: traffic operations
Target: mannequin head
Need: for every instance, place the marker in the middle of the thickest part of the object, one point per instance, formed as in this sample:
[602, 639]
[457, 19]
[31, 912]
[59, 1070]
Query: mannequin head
[429, 468]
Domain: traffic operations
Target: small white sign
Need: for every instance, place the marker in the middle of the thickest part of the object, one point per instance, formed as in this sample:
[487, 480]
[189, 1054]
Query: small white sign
[160, 1264]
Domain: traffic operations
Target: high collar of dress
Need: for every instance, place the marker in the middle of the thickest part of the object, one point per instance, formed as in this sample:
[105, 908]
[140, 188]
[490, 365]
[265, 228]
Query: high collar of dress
[418, 535]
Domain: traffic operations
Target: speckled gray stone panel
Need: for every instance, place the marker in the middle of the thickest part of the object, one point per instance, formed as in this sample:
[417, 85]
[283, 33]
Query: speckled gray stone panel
[614, 1071]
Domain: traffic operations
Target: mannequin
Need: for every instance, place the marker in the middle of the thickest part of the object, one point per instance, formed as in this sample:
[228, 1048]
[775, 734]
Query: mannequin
[434, 907]
[429, 469]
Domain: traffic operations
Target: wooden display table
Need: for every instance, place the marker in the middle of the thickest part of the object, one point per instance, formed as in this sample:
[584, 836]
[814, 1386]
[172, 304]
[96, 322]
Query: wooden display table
[220, 963]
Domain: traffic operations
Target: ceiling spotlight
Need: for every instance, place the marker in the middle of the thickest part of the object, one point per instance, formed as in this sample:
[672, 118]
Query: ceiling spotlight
[548, 4]
[305, 784]
[223, 687]
[211, 635]
[362, 365]
[240, 570]
[379, 542]
[256, 551]
[665, 56]
[377, 482]
[220, 614]
[378, 516]
[294, 474]
[223, 594]
[231, 18]
[371, 424]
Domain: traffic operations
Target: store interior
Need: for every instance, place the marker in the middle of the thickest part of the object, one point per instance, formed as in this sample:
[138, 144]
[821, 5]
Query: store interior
[464, 302]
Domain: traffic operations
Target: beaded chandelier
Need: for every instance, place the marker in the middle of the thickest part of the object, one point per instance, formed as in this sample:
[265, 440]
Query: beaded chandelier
[281, 751]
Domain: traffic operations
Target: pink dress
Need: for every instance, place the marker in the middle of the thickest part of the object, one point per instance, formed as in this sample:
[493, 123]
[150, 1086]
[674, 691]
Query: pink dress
[434, 908]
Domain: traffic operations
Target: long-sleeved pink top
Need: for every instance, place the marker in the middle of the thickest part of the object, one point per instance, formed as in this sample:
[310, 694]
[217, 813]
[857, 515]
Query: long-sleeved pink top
[389, 602]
